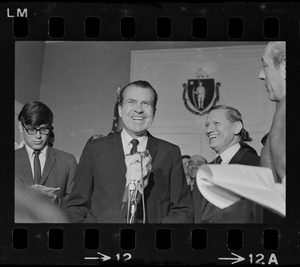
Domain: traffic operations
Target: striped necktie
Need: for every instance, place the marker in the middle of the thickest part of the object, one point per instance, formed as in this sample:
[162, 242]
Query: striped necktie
[134, 143]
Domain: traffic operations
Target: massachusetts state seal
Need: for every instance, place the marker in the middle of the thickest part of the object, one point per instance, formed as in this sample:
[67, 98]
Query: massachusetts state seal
[199, 95]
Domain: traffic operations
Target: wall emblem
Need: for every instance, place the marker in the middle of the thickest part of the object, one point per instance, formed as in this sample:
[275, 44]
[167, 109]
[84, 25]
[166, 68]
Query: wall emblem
[199, 95]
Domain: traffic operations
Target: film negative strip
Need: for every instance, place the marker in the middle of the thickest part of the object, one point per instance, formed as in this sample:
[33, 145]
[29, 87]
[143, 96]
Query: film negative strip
[74, 56]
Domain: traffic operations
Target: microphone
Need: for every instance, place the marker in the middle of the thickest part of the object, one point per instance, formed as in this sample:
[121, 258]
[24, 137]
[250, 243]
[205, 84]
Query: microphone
[133, 183]
[131, 187]
[138, 165]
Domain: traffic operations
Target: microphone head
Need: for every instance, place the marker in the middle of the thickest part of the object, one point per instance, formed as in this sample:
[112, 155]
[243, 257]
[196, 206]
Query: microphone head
[146, 153]
[132, 185]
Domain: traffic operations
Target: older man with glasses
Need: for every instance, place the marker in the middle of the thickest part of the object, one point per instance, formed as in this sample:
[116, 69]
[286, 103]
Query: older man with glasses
[193, 164]
[37, 165]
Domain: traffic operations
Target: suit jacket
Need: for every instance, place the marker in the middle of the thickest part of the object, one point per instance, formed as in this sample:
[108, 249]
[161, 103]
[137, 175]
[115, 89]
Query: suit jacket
[59, 170]
[244, 211]
[100, 182]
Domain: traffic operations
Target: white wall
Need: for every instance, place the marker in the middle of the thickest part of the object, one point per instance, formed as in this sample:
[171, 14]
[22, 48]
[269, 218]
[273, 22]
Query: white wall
[237, 71]
[78, 81]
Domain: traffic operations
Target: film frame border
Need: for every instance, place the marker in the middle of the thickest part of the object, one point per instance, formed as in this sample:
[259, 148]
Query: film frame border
[216, 14]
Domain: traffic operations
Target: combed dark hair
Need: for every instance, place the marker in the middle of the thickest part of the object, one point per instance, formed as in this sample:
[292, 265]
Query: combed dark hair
[36, 113]
[185, 157]
[277, 53]
[141, 84]
[232, 115]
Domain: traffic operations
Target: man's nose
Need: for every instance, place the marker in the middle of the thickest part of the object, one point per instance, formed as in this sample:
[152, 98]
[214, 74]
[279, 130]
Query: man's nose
[38, 134]
[261, 75]
[138, 108]
[209, 128]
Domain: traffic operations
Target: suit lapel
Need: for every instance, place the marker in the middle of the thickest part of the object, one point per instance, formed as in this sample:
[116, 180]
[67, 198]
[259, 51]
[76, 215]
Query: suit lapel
[152, 146]
[237, 157]
[26, 167]
[117, 150]
[50, 159]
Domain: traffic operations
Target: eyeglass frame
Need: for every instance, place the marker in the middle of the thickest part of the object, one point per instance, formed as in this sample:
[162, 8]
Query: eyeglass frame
[194, 164]
[37, 130]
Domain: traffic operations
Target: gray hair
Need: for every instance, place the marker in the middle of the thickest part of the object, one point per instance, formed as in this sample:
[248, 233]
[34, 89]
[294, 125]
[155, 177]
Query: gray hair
[277, 53]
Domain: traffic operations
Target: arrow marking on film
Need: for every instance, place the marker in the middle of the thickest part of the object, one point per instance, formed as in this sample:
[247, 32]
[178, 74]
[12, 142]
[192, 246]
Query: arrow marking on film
[104, 257]
[235, 260]
[91, 258]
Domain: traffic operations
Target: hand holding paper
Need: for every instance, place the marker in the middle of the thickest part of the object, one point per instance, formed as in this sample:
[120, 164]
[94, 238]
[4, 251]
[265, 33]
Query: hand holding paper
[50, 192]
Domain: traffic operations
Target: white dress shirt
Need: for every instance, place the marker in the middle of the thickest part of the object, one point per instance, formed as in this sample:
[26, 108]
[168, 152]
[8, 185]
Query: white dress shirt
[228, 154]
[126, 138]
[42, 157]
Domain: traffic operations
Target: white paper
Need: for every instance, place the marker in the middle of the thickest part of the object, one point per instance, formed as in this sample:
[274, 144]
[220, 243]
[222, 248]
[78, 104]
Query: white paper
[224, 185]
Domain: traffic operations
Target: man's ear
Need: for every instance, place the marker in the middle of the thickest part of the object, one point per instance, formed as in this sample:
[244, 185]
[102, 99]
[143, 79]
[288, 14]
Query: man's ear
[283, 68]
[238, 127]
[20, 127]
[120, 111]
[154, 111]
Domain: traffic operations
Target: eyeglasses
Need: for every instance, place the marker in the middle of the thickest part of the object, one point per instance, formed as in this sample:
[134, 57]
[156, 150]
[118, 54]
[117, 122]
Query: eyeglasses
[192, 164]
[33, 130]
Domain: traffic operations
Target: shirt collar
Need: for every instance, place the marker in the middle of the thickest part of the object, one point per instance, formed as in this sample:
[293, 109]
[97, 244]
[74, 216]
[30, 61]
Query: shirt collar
[228, 154]
[30, 151]
[126, 138]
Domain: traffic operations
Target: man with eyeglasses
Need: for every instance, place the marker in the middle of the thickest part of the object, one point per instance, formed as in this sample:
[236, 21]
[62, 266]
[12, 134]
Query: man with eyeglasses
[194, 163]
[185, 162]
[37, 165]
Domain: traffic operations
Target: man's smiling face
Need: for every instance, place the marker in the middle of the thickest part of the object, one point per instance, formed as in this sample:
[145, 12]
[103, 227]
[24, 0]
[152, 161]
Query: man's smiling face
[220, 132]
[137, 111]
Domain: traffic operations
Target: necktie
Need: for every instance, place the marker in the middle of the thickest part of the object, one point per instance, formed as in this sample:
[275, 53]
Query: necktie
[191, 187]
[218, 160]
[37, 167]
[134, 143]
[131, 208]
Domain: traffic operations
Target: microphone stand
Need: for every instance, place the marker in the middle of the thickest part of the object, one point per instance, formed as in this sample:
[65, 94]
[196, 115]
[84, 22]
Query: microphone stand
[132, 203]
[132, 197]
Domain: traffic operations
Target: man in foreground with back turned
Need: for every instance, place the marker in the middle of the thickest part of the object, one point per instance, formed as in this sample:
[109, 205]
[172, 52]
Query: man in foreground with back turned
[273, 154]
[274, 74]
[102, 188]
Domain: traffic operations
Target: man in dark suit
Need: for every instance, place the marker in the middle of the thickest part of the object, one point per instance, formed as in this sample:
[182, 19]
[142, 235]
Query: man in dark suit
[223, 128]
[37, 165]
[194, 163]
[100, 180]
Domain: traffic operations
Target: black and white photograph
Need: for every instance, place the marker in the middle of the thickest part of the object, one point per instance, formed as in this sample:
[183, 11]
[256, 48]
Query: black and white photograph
[149, 133]
[80, 105]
